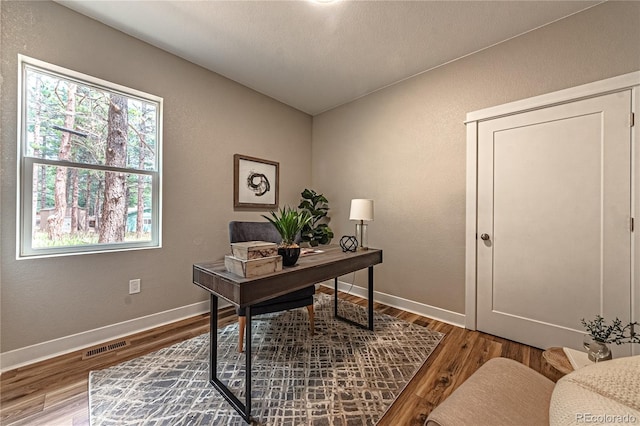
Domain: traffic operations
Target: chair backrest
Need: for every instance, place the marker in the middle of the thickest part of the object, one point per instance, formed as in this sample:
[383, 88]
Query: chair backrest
[253, 231]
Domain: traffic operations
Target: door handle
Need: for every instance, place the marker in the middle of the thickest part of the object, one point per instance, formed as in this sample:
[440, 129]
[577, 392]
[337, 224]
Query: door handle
[485, 237]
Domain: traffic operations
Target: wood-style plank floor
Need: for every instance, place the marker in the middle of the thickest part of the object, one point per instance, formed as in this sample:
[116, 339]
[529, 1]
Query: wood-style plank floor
[54, 392]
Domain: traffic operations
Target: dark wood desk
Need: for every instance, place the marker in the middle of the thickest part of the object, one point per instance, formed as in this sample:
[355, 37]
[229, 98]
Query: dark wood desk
[245, 292]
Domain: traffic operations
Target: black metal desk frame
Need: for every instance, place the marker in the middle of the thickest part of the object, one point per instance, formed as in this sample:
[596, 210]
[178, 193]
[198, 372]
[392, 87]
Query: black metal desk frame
[244, 408]
[369, 326]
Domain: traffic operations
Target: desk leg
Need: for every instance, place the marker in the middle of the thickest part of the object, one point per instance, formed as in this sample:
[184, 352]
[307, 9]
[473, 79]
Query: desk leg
[371, 298]
[335, 297]
[369, 325]
[242, 409]
[247, 354]
[213, 338]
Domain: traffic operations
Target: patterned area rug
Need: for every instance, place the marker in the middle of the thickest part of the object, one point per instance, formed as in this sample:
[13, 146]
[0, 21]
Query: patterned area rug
[343, 375]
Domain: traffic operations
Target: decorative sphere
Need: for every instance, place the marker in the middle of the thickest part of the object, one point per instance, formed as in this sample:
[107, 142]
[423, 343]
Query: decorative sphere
[348, 243]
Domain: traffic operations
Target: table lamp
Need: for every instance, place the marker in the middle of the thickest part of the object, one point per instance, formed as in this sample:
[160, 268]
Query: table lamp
[361, 209]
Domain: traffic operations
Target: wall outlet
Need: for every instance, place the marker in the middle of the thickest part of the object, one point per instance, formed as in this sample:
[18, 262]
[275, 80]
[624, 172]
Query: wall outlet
[134, 286]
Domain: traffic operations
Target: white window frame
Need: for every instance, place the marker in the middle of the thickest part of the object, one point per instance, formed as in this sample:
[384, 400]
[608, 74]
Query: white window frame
[26, 166]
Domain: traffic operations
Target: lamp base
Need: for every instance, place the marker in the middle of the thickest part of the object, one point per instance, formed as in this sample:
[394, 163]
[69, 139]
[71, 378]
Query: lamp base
[361, 234]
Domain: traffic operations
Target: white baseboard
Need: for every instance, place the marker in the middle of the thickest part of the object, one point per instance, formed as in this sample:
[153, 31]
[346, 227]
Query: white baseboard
[425, 310]
[63, 345]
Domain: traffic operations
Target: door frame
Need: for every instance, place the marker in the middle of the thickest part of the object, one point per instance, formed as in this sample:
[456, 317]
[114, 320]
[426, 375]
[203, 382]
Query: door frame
[630, 81]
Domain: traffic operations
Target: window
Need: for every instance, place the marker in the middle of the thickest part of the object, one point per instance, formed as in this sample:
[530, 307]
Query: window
[89, 164]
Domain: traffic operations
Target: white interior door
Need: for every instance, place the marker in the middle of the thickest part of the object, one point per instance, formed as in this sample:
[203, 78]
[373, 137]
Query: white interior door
[554, 200]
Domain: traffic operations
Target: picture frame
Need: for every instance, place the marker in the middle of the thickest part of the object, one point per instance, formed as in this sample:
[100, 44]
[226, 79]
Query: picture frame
[256, 182]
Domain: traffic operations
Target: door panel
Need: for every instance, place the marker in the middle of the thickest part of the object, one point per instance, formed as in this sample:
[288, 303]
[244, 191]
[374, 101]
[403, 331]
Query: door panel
[554, 197]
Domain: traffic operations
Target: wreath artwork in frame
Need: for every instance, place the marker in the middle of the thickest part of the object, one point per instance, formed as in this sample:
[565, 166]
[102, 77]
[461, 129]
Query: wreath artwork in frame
[255, 182]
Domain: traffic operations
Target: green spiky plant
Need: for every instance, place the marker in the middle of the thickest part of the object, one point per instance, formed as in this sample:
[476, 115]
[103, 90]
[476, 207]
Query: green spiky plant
[316, 205]
[289, 222]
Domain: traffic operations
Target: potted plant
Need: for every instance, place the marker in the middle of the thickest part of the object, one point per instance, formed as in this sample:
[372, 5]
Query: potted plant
[316, 205]
[601, 334]
[288, 222]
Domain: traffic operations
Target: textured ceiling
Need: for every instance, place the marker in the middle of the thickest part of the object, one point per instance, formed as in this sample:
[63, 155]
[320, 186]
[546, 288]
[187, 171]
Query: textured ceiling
[315, 56]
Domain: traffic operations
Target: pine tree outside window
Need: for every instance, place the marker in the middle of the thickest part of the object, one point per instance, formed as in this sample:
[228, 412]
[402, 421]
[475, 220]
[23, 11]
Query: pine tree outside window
[89, 164]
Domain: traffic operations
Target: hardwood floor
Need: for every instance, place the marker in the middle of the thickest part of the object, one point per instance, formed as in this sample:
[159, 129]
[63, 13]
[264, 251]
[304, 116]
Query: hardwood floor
[54, 392]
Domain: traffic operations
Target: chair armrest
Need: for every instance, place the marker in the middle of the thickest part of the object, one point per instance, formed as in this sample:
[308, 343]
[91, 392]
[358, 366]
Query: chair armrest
[501, 392]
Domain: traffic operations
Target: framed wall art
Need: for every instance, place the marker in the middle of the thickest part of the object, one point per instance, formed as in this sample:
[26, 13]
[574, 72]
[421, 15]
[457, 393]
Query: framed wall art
[255, 182]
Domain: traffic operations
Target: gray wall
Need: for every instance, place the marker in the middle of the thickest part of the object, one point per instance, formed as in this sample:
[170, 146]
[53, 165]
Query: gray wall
[207, 118]
[405, 146]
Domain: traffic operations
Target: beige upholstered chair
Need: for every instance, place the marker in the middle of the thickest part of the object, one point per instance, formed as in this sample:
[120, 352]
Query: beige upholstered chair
[505, 392]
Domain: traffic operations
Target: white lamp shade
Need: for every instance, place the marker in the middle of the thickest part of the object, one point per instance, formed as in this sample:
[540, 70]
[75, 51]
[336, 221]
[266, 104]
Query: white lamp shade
[361, 209]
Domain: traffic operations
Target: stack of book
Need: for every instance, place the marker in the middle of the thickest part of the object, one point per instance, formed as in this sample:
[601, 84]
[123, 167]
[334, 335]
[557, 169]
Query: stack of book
[253, 258]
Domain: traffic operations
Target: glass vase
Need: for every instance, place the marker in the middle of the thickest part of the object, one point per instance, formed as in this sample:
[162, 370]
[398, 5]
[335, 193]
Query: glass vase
[596, 351]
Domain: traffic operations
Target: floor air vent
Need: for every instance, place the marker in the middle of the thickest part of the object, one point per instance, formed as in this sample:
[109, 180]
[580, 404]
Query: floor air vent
[105, 348]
